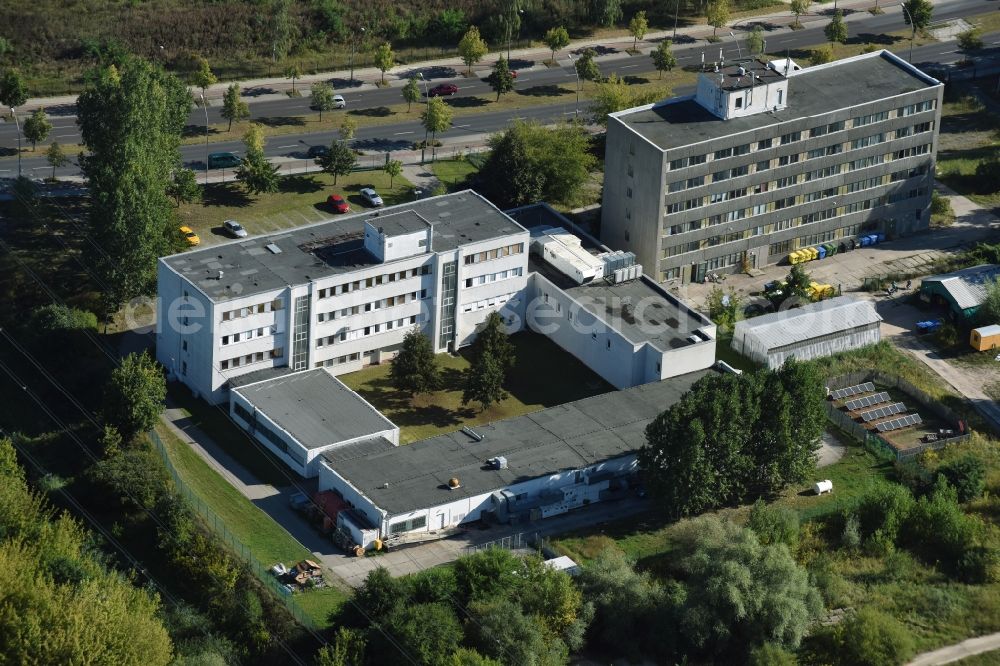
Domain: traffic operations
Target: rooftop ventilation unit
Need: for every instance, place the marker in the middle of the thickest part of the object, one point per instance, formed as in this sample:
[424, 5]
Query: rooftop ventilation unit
[499, 462]
[273, 249]
[453, 483]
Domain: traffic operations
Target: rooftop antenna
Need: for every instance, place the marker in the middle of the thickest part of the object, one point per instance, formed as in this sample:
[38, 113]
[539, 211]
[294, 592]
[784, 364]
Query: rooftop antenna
[788, 62]
[736, 39]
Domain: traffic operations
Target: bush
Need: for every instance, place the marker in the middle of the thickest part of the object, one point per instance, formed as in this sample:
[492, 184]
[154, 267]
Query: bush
[774, 525]
[850, 538]
[939, 532]
[971, 39]
[770, 654]
[967, 475]
[882, 510]
[946, 335]
[871, 638]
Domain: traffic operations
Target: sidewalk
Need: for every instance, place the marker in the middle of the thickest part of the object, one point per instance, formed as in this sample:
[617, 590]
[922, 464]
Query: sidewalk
[610, 48]
[959, 651]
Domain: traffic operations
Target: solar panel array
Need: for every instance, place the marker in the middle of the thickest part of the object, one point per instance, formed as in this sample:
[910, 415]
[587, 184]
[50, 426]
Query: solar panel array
[883, 412]
[896, 424]
[867, 401]
[840, 394]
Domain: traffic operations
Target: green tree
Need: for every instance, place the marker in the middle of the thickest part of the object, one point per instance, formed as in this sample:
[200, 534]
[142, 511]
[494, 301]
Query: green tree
[770, 654]
[55, 157]
[503, 631]
[414, 369]
[203, 76]
[467, 657]
[774, 524]
[586, 67]
[435, 118]
[184, 186]
[920, 11]
[338, 161]
[717, 15]
[871, 638]
[501, 80]
[384, 59]
[724, 308]
[411, 92]
[293, 72]
[131, 118]
[797, 282]
[393, 168]
[493, 340]
[799, 7]
[507, 178]
[36, 127]
[64, 333]
[755, 41]
[256, 173]
[134, 476]
[971, 39]
[322, 98]
[882, 510]
[280, 22]
[614, 95]
[556, 39]
[836, 29]
[605, 12]
[492, 356]
[664, 59]
[13, 91]
[346, 649]
[233, 106]
[135, 395]
[821, 55]
[967, 475]
[426, 632]
[348, 128]
[472, 48]
[638, 27]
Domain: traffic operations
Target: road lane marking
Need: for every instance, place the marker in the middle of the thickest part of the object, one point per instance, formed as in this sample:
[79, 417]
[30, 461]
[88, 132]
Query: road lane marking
[401, 133]
[63, 136]
[461, 126]
[627, 66]
[294, 145]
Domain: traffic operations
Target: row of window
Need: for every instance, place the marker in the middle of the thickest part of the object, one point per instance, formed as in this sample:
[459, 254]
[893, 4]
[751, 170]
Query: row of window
[786, 246]
[268, 434]
[389, 302]
[259, 308]
[792, 137]
[373, 281]
[249, 359]
[494, 277]
[506, 251]
[358, 333]
[487, 303]
[340, 360]
[243, 336]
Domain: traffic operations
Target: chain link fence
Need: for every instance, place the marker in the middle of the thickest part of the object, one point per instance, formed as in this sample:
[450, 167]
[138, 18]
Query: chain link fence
[513, 542]
[238, 547]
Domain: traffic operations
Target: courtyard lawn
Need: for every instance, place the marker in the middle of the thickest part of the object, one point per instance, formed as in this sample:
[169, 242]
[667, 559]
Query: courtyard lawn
[454, 174]
[967, 138]
[543, 375]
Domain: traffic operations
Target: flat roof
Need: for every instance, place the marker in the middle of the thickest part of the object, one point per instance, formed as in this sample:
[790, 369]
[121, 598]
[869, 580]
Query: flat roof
[335, 246]
[639, 309]
[569, 436]
[315, 408]
[812, 91]
[815, 320]
[401, 222]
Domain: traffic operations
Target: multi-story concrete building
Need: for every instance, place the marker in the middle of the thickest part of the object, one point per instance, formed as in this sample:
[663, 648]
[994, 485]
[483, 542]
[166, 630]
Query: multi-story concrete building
[765, 159]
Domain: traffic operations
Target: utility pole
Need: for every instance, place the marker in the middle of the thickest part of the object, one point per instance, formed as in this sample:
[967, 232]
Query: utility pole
[354, 48]
[204, 106]
[677, 8]
[427, 100]
[913, 29]
[17, 125]
[573, 60]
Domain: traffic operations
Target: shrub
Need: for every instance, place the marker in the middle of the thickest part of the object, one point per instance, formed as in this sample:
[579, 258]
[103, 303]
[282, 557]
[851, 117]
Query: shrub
[971, 39]
[871, 638]
[774, 525]
[770, 654]
[851, 536]
[882, 509]
[967, 475]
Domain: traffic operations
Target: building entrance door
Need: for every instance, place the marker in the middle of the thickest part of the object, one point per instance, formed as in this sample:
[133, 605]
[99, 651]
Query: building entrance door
[439, 521]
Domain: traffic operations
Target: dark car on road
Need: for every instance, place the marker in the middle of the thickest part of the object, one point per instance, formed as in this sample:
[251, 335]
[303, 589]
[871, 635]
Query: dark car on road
[317, 151]
[443, 89]
[223, 160]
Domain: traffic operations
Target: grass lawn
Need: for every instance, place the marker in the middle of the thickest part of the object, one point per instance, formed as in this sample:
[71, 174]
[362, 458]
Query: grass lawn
[439, 412]
[267, 541]
[985, 659]
[453, 174]
[301, 200]
[968, 136]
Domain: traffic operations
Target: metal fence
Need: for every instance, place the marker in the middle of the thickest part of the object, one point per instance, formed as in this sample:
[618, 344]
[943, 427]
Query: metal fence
[513, 542]
[218, 525]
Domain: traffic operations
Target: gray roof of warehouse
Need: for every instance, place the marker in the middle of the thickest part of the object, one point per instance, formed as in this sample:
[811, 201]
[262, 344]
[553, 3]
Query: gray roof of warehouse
[811, 91]
[569, 436]
[315, 408]
[828, 317]
[968, 286]
[334, 246]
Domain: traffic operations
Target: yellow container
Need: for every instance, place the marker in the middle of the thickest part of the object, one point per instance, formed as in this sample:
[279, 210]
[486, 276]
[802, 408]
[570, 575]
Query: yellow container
[811, 253]
[795, 257]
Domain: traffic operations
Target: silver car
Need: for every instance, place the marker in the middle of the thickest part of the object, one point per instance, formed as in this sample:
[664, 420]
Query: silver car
[371, 197]
[234, 229]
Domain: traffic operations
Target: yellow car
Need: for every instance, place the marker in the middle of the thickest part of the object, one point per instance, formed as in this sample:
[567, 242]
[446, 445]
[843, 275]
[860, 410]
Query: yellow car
[190, 236]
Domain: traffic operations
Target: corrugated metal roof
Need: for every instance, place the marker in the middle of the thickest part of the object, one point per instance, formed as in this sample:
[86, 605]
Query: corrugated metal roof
[783, 328]
[967, 287]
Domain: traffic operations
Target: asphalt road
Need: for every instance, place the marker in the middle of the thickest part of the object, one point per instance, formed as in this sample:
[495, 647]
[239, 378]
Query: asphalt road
[401, 135]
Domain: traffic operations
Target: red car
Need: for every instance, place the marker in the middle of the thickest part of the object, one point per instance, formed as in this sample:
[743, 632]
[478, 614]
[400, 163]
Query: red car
[443, 89]
[338, 203]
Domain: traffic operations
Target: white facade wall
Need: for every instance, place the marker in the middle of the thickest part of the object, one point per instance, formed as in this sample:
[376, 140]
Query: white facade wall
[809, 349]
[476, 301]
[399, 246]
[330, 479]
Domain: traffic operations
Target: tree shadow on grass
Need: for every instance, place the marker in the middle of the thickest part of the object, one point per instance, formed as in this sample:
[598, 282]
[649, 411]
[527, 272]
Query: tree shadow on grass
[300, 184]
[466, 102]
[869, 38]
[282, 121]
[634, 80]
[431, 415]
[551, 90]
[373, 112]
[225, 194]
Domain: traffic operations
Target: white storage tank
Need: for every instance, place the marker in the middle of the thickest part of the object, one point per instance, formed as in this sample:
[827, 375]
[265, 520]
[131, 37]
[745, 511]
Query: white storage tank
[821, 487]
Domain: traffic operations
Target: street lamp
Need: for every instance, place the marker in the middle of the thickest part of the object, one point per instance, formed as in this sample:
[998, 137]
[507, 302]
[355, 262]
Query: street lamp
[913, 29]
[677, 7]
[739, 49]
[204, 106]
[575, 71]
[519, 12]
[13, 112]
[427, 100]
[354, 47]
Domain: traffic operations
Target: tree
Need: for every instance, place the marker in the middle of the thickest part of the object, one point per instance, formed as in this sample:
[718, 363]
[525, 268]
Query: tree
[293, 72]
[797, 282]
[971, 39]
[920, 12]
[36, 127]
[435, 118]
[233, 106]
[411, 92]
[134, 395]
[281, 28]
[55, 157]
[467, 657]
[774, 524]
[503, 631]
[614, 95]
[384, 59]
[528, 162]
[638, 27]
[871, 638]
[556, 39]
[492, 356]
[338, 161]
[606, 12]
[717, 15]
[755, 41]
[882, 510]
[967, 475]
[63, 333]
[821, 55]
[501, 80]
[131, 117]
[203, 76]
[346, 649]
[663, 58]
[322, 98]
[586, 66]
[348, 128]
[256, 173]
[414, 369]
[13, 91]
[134, 477]
[724, 308]
[799, 7]
[426, 632]
[184, 186]
[836, 30]
[493, 340]
[472, 48]
[770, 654]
